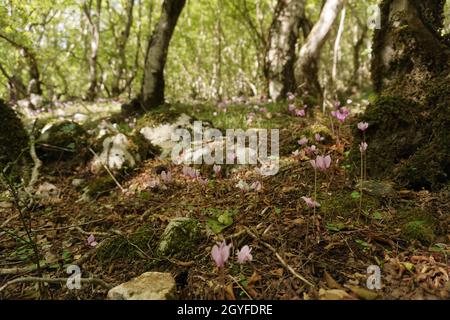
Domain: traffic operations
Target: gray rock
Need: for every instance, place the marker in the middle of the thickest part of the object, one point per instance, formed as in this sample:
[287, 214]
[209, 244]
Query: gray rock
[180, 235]
[148, 286]
[382, 189]
[78, 182]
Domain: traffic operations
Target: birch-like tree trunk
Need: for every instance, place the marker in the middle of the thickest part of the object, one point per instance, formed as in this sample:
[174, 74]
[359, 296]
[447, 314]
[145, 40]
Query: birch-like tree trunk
[280, 55]
[306, 66]
[152, 93]
[94, 23]
[122, 40]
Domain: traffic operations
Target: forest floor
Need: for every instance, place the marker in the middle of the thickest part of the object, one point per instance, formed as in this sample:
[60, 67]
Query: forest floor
[404, 232]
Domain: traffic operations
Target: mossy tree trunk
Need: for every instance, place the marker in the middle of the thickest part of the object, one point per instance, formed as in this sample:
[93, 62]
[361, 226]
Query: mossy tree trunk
[13, 140]
[409, 131]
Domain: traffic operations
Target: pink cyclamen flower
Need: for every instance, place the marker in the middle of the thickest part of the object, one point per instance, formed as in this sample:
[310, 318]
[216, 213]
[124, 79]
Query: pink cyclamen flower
[311, 203]
[341, 114]
[220, 253]
[257, 186]
[296, 153]
[318, 137]
[244, 255]
[321, 163]
[291, 107]
[363, 126]
[202, 181]
[300, 112]
[243, 186]
[290, 96]
[337, 104]
[311, 150]
[91, 241]
[217, 169]
[191, 173]
[263, 110]
[166, 177]
[303, 141]
[363, 147]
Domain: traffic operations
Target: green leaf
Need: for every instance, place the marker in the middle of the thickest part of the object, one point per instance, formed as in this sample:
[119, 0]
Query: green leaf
[377, 215]
[145, 195]
[215, 225]
[355, 195]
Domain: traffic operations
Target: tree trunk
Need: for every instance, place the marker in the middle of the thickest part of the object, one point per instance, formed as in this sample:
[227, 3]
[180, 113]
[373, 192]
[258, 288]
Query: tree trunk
[410, 120]
[152, 93]
[280, 55]
[13, 139]
[17, 89]
[35, 76]
[356, 79]
[94, 23]
[306, 76]
[116, 88]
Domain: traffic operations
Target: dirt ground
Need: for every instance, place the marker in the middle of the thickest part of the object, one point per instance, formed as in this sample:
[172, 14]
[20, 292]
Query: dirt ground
[330, 249]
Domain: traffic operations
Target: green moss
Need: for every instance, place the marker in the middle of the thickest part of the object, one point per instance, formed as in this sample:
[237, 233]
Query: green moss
[143, 147]
[180, 237]
[62, 141]
[344, 203]
[137, 245]
[408, 141]
[160, 115]
[417, 224]
[418, 230]
[313, 129]
[100, 186]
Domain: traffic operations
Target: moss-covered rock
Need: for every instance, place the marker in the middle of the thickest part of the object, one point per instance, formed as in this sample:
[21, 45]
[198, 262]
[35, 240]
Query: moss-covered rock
[100, 186]
[137, 245]
[315, 128]
[418, 230]
[179, 237]
[62, 141]
[13, 138]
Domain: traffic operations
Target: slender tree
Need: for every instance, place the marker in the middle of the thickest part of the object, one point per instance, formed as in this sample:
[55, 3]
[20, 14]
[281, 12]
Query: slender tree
[33, 65]
[280, 55]
[121, 42]
[152, 93]
[410, 120]
[93, 17]
[306, 66]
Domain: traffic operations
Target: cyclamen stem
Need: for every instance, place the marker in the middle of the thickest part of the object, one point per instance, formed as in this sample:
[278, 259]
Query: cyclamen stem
[315, 195]
[361, 183]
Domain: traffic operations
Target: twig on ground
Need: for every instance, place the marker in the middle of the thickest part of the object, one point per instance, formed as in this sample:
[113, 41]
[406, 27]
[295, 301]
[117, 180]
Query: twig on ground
[283, 262]
[17, 270]
[36, 160]
[55, 280]
[107, 170]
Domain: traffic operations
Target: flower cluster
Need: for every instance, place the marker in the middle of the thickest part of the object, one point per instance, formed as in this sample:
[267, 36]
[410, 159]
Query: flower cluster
[321, 163]
[341, 114]
[244, 186]
[220, 253]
